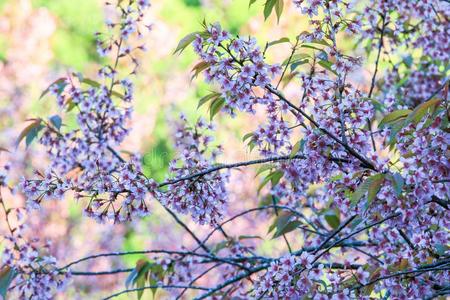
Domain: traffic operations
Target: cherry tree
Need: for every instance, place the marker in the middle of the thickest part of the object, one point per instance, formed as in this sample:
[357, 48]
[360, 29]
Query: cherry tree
[358, 173]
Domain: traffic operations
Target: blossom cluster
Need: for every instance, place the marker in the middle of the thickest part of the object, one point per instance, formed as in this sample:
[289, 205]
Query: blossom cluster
[420, 25]
[237, 65]
[37, 276]
[82, 158]
[205, 196]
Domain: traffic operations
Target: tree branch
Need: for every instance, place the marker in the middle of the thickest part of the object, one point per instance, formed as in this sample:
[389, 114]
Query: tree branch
[366, 163]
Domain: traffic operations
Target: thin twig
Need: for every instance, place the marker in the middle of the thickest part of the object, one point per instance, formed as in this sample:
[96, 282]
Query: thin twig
[366, 163]
[193, 287]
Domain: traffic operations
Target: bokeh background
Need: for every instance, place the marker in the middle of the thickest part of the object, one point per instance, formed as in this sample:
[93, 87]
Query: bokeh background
[41, 40]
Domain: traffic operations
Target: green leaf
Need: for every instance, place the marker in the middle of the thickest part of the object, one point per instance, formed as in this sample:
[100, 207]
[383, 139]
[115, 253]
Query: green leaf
[7, 275]
[247, 136]
[220, 246]
[97, 84]
[142, 267]
[186, 41]
[321, 42]
[311, 47]
[140, 283]
[297, 63]
[215, 107]
[263, 168]
[280, 221]
[203, 100]
[30, 128]
[371, 186]
[131, 278]
[408, 60]
[268, 7]
[275, 178]
[441, 249]
[296, 148]
[56, 121]
[290, 226]
[61, 82]
[327, 65]
[397, 183]
[332, 218]
[360, 191]
[394, 116]
[198, 68]
[279, 9]
[251, 3]
[374, 186]
[279, 41]
[266, 200]
[32, 134]
[296, 57]
[246, 237]
[421, 110]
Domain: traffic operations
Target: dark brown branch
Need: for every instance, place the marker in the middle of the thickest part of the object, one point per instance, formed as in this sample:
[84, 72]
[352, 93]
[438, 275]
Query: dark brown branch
[366, 163]
[193, 287]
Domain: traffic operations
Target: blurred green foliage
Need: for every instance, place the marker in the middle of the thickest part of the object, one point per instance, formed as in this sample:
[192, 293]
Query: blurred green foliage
[74, 43]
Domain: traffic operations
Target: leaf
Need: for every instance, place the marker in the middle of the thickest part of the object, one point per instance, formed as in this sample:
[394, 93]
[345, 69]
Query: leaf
[61, 82]
[90, 82]
[280, 221]
[287, 79]
[290, 226]
[203, 100]
[215, 107]
[32, 134]
[247, 136]
[96, 84]
[263, 168]
[360, 191]
[279, 9]
[186, 41]
[132, 277]
[251, 3]
[198, 68]
[327, 65]
[408, 60]
[30, 128]
[268, 7]
[296, 57]
[7, 275]
[297, 63]
[321, 42]
[371, 186]
[394, 116]
[279, 41]
[140, 283]
[332, 218]
[269, 199]
[311, 47]
[296, 148]
[441, 249]
[374, 186]
[56, 121]
[158, 273]
[220, 246]
[397, 183]
[274, 177]
[420, 111]
[246, 237]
